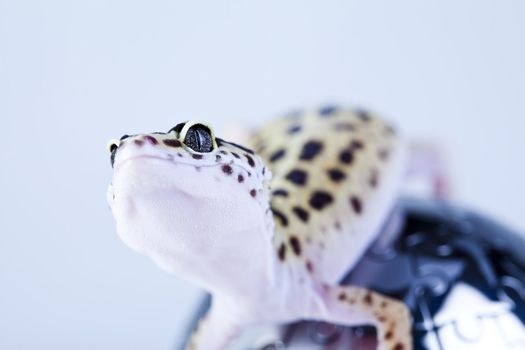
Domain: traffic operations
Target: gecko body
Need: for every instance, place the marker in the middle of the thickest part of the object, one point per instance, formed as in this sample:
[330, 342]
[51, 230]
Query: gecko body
[270, 232]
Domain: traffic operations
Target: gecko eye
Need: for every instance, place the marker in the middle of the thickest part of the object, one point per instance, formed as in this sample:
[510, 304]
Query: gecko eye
[199, 138]
[112, 148]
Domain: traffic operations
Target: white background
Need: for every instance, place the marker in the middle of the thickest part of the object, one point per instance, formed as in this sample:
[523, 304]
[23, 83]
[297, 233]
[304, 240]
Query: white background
[74, 74]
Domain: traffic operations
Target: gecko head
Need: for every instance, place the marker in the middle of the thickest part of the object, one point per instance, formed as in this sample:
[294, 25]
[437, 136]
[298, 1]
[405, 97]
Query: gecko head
[186, 198]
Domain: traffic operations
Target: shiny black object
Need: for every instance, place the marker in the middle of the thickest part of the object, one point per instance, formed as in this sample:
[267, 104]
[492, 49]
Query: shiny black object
[461, 274]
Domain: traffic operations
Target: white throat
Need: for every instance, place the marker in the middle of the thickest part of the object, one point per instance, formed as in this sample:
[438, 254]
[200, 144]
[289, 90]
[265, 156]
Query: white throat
[217, 235]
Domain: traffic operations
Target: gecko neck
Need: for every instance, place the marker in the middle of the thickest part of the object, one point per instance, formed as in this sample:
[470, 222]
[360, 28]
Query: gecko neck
[264, 287]
[244, 273]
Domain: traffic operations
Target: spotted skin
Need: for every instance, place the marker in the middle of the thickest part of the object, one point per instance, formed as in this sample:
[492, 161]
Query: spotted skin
[332, 173]
[269, 233]
[389, 315]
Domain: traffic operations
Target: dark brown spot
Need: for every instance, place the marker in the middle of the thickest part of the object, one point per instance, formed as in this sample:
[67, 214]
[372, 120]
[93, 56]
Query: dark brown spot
[342, 296]
[297, 176]
[172, 143]
[301, 213]
[357, 205]
[346, 156]
[138, 142]
[282, 252]
[227, 169]
[250, 160]
[398, 346]
[389, 335]
[320, 199]
[150, 139]
[280, 216]
[236, 155]
[280, 192]
[368, 298]
[310, 150]
[309, 266]
[296, 245]
[253, 192]
[277, 155]
[240, 178]
[383, 304]
[294, 129]
[382, 319]
[336, 175]
[196, 156]
[327, 111]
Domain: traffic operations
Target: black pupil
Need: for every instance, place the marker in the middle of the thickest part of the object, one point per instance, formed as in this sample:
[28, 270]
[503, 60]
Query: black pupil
[198, 138]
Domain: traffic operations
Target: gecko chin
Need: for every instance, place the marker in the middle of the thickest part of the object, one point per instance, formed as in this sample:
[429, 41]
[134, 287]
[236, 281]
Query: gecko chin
[176, 212]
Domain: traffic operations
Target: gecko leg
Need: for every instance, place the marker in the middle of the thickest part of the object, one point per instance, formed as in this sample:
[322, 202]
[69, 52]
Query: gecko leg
[216, 330]
[349, 305]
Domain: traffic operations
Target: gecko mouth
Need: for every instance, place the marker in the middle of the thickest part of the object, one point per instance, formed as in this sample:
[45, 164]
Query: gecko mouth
[120, 163]
[167, 159]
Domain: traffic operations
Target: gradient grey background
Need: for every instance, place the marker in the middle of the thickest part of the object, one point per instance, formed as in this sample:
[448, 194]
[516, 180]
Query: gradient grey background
[75, 74]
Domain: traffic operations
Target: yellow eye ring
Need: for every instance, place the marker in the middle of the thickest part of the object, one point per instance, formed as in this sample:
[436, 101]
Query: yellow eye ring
[191, 124]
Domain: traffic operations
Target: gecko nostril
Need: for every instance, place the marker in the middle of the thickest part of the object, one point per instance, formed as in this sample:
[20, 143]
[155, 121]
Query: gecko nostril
[150, 139]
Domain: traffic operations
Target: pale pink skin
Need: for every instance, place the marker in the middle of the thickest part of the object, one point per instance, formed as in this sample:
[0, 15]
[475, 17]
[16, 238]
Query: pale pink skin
[177, 210]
